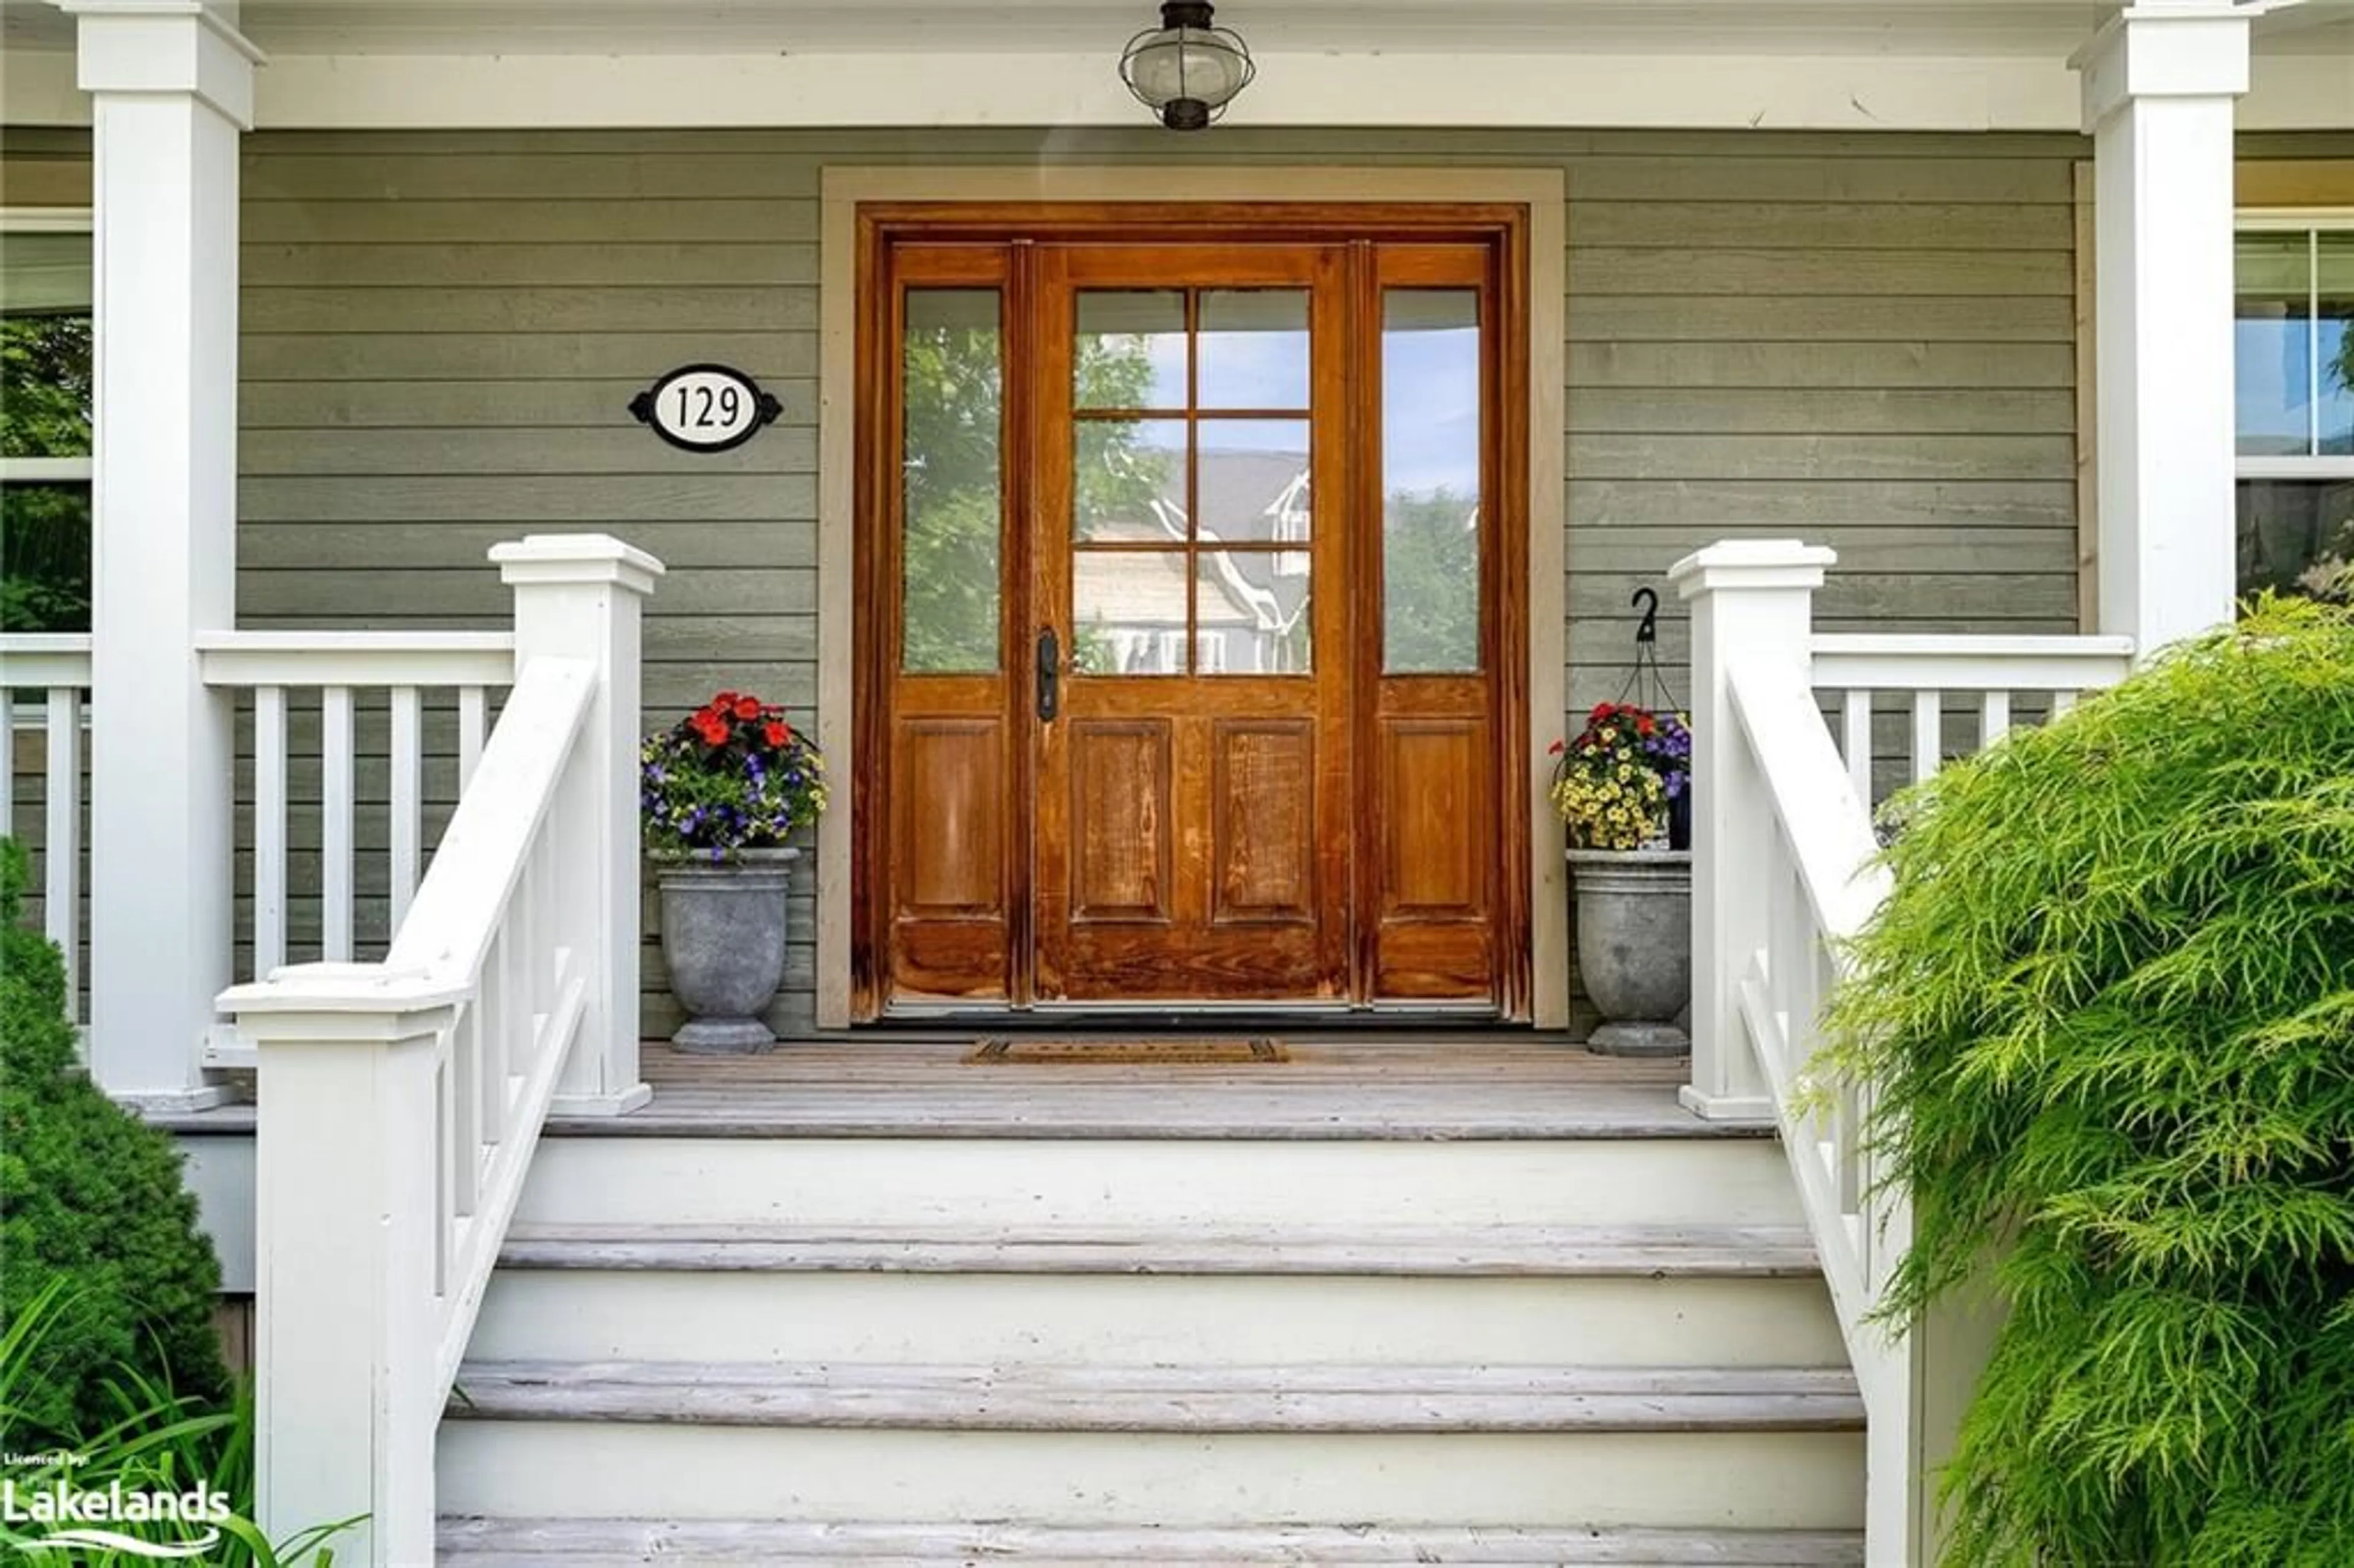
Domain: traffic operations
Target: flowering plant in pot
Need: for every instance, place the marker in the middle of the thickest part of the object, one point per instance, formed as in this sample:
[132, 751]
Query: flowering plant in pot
[720, 792]
[1622, 786]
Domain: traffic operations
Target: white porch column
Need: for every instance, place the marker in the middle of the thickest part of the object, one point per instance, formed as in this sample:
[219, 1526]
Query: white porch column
[578, 596]
[172, 89]
[1752, 599]
[2159, 84]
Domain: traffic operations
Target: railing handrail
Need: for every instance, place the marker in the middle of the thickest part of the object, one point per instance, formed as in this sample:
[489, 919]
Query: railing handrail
[1907, 661]
[448, 929]
[51, 659]
[306, 659]
[1814, 800]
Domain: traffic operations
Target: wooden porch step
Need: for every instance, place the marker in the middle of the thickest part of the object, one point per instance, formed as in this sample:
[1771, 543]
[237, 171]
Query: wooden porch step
[1186, 1399]
[712, 1543]
[1722, 1251]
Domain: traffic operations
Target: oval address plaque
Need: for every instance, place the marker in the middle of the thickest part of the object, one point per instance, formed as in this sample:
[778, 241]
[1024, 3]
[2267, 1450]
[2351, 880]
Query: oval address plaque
[705, 407]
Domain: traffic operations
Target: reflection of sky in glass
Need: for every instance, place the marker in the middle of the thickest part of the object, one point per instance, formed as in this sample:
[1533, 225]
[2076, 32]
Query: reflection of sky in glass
[1430, 409]
[1254, 349]
[2274, 384]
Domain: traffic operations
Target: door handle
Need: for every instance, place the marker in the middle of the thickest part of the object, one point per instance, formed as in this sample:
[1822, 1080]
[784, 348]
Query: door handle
[1050, 675]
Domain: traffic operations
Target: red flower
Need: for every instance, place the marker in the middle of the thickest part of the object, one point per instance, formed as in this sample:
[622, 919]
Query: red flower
[712, 728]
[748, 707]
[776, 733]
[724, 700]
[1601, 711]
[1556, 748]
[1643, 724]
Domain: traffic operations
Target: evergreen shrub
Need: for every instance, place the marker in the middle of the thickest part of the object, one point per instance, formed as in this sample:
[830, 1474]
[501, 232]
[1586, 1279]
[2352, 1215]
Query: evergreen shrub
[2110, 1004]
[92, 1212]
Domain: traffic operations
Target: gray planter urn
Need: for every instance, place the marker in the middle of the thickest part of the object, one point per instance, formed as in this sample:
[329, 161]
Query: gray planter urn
[723, 940]
[1634, 947]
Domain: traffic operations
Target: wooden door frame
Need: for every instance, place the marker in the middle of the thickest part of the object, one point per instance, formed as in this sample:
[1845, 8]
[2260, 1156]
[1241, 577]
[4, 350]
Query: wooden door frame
[1539, 280]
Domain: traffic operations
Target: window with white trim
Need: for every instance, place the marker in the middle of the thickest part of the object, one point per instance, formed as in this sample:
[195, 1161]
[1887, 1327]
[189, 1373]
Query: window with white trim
[2295, 403]
[44, 421]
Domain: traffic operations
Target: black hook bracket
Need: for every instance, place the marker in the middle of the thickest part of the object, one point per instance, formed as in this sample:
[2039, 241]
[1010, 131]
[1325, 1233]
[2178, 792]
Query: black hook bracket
[1647, 601]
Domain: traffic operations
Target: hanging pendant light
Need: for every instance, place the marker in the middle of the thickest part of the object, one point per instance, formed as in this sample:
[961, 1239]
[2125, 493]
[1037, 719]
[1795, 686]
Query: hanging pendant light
[1186, 71]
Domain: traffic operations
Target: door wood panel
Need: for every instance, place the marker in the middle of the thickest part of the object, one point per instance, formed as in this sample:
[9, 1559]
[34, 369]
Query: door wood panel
[1234, 801]
[1263, 817]
[1120, 824]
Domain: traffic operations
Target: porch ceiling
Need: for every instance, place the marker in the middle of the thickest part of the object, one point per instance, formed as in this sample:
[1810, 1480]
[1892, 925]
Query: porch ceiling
[1978, 28]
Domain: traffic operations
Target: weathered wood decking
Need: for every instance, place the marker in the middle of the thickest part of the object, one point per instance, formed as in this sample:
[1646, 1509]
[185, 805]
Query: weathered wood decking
[1438, 1085]
[1435, 1084]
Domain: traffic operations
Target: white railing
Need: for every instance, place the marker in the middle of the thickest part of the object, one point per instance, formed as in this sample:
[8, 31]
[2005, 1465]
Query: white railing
[400, 1101]
[1785, 874]
[56, 665]
[2002, 682]
[455, 674]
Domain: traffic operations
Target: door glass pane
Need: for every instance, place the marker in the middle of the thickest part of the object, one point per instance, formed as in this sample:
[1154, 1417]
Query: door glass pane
[950, 495]
[2297, 536]
[1254, 348]
[2336, 328]
[1251, 613]
[1252, 479]
[1129, 482]
[1130, 352]
[1431, 445]
[2272, 344]
[1128, 612]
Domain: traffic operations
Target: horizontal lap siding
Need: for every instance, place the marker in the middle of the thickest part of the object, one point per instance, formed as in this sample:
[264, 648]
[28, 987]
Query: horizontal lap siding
[441, 339]
[1863, 340]
[1869, 346]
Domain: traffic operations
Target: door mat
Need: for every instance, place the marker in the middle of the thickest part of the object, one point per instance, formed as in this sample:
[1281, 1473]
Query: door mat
[1120, 1053]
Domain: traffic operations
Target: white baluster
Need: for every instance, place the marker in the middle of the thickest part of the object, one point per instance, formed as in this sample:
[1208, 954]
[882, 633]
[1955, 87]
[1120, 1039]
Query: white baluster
[466, 1107]
[529, 922]
[269, 830]
[406, 806]
[447, 1152]
[541, 871]
[7, 761]
[490, 1038]
[1855, 741]
[1928, 735]
[1994, 718]
[474, 724]
[337, 793]
[61, 848]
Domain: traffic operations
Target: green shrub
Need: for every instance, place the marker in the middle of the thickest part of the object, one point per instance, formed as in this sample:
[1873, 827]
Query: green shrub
[2111, 1004]
[149, 1439]
[90, 1197]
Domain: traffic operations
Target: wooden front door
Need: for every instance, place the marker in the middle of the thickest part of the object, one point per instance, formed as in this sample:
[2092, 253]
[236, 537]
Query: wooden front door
[1188, 614]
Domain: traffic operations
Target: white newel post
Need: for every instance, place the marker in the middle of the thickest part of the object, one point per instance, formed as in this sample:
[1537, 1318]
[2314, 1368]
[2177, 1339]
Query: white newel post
[2159, 84]
[171, 89]
[579, 596]
[1752, 599]
[346, 1238]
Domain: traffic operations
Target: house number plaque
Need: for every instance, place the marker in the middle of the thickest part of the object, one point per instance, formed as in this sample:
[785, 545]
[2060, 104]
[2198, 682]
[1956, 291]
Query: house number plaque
[705, 407]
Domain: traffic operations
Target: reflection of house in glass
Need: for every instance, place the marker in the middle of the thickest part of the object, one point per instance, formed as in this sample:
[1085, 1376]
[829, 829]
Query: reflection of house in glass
[1250, 614]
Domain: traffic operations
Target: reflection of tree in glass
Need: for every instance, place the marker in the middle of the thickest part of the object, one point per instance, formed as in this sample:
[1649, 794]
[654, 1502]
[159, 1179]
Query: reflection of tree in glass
[1430, 581]
[953, 393]
[45, 404]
